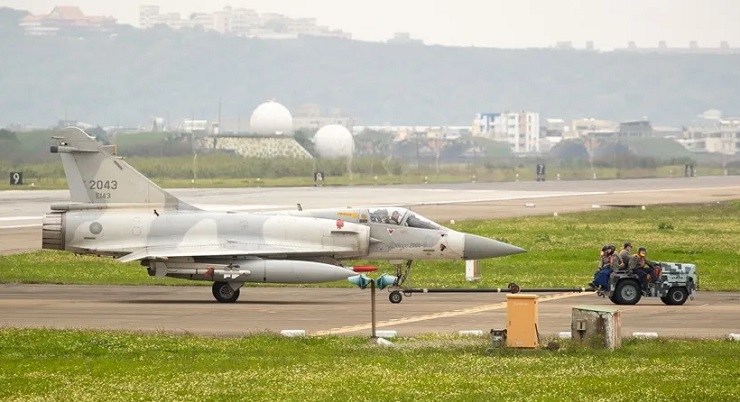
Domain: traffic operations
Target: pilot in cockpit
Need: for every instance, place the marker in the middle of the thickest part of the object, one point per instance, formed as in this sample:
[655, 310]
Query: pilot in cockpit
[395, 218]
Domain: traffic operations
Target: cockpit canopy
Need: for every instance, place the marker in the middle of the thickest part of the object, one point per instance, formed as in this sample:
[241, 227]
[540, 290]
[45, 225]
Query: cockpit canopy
[401, 217]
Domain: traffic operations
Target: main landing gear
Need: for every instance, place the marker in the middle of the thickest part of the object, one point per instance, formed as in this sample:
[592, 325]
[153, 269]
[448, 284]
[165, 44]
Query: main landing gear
[396, 295]
[224, 292]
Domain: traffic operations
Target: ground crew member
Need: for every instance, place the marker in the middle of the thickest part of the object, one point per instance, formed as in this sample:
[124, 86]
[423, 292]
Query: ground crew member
[611, 259]
[642, 267]
[624, 254]
[609, 262]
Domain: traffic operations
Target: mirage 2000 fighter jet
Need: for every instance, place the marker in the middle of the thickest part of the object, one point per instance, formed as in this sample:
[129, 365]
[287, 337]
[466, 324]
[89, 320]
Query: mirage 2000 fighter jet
[116, 211]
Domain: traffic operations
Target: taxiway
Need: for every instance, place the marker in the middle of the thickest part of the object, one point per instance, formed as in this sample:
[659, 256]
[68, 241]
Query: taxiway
[346, 311]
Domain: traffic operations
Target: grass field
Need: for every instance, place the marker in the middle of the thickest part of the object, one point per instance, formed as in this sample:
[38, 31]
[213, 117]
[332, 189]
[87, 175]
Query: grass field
[50, 176]
[67, 365]
[562, 251]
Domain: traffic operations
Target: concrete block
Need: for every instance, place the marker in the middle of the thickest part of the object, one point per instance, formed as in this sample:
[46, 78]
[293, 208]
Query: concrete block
[383, 342]
[471, 332]
[386, 334]
[589, 322]
[645, 335]
[293, 332]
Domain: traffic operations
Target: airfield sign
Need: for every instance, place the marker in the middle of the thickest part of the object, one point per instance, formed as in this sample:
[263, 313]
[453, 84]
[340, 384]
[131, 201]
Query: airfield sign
[16, 178]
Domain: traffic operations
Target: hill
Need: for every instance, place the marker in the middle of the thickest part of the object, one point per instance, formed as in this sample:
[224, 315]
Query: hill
[132, 75]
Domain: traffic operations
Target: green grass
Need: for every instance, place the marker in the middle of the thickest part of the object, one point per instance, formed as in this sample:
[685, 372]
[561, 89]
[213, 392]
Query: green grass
[66, 365]
[562, 251]
[174, 172]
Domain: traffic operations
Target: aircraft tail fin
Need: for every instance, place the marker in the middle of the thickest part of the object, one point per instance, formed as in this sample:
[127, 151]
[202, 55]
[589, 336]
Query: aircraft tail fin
[96, 176]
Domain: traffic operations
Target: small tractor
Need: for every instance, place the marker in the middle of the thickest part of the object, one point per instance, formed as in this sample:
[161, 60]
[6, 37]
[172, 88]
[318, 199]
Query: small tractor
[677, 284]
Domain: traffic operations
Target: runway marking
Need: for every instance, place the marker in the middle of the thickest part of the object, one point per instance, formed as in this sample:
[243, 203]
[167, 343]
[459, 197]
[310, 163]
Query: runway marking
[19, 218]
[537, 195]
[31, 225]
[444, 314]
[663, 190]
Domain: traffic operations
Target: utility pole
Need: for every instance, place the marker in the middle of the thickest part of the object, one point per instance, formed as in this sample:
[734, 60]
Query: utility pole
[220, 129]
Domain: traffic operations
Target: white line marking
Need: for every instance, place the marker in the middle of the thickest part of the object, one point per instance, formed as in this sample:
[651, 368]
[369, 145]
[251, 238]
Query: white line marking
[510, 198]
[33, 225]
[444, 314]
[19, 218]
[674, 189]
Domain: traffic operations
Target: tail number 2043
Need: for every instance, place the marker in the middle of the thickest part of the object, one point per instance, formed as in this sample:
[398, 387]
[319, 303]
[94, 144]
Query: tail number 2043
[102, 184]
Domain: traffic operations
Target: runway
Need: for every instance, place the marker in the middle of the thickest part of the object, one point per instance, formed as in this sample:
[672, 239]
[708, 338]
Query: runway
[24, 208]
[346, 311]
[189, 309]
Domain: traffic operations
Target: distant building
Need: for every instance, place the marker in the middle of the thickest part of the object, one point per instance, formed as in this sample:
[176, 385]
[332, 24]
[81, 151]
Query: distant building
[404, 38]
[552, 132]
[195, 126]
[693, 47]
[309, 116]
[239, 22]
[67, 20]
[584, 127]
[624, 131]
[521, 131]
[720, 136]
[635, 129]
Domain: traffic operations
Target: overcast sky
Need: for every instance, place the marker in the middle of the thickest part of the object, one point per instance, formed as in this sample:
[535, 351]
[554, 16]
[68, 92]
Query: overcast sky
[495, 23]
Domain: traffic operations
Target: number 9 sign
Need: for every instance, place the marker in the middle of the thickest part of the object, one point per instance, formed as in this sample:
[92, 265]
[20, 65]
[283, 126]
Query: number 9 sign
[16, 178]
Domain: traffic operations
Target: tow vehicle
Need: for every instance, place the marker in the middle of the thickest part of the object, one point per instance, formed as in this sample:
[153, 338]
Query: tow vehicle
[677, 284]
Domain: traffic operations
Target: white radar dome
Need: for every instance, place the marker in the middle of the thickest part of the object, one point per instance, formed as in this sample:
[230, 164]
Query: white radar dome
[334, 141]
[271, 118]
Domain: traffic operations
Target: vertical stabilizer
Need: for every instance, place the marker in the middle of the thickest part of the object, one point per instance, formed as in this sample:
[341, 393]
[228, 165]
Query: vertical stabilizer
[95, 176]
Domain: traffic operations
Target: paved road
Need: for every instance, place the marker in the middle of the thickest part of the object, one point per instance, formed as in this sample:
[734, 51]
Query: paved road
[346, 311]
[335, 311]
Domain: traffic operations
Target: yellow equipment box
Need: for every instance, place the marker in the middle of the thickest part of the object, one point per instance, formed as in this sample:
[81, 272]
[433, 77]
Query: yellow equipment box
[521, 321]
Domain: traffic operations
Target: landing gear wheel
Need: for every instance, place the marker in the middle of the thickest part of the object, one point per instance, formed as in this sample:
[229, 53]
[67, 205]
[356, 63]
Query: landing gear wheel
[514, 288]
[676, 296]
[395, 297]
[627, 293]
[224, 293]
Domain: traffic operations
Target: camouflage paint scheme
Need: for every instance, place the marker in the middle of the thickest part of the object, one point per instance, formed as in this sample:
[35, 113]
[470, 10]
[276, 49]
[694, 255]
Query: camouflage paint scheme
[116, 211]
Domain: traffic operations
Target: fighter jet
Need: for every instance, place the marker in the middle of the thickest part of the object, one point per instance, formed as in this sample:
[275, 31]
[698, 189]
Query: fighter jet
[116, 211]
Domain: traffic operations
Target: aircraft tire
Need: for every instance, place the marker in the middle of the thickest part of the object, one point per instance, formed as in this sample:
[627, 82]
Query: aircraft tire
[395, 297]
[223, 292]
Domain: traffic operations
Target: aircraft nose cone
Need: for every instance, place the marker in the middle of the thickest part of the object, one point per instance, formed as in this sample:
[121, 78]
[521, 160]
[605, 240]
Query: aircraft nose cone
[478, 247]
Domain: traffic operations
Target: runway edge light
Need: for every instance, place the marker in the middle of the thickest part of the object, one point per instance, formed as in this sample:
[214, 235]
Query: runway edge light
[360, 280]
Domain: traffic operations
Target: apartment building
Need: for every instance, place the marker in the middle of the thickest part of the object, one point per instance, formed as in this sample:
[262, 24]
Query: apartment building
[520, 130]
